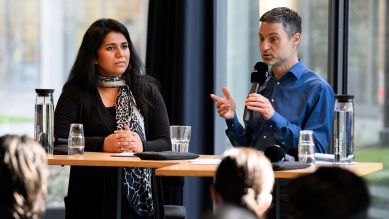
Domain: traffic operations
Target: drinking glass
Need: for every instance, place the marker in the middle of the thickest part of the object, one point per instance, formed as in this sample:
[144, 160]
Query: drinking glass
[306, 147]
[180, 137]
[76, 140]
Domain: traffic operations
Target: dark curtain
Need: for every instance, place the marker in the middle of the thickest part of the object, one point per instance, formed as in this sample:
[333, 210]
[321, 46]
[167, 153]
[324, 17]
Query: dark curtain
[180, 56]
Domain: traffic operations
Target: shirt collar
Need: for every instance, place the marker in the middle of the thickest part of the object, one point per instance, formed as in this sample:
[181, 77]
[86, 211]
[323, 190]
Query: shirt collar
[298, 69]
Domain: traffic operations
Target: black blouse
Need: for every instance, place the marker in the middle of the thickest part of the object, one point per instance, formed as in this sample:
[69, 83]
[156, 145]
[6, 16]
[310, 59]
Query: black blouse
[77, 106]
[92, 191]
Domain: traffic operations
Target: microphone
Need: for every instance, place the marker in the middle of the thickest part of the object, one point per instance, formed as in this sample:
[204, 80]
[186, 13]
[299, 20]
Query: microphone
[258, 78]
[294, 153]
[276, 154]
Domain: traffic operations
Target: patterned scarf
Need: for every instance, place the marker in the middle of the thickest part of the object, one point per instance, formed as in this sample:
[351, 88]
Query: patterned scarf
[136, 181]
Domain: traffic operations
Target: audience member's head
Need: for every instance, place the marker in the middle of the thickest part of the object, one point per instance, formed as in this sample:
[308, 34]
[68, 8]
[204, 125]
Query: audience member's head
[330, 192]
[23, 177]
[244, 178]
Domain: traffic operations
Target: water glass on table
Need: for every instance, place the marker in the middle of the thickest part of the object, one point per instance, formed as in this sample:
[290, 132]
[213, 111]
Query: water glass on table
[180, 137]
[306, 147]
[76, 140]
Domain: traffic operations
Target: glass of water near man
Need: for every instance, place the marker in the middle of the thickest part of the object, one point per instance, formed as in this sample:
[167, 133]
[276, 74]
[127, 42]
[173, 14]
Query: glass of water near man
[306, 147]
[180, 137]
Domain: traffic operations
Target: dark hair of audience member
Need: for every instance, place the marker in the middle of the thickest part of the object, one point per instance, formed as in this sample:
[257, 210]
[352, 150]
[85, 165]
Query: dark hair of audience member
[23, 178]
[330, 192]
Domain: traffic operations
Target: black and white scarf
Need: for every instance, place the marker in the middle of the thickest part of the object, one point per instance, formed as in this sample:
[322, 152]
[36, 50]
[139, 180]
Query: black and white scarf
[136, 181]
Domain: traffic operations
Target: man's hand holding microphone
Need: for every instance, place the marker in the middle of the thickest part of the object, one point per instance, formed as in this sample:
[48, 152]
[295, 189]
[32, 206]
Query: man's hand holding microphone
[254, 102]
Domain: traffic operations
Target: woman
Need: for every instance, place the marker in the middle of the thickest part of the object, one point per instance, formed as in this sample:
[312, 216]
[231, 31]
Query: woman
[121, 110]
[244, 178]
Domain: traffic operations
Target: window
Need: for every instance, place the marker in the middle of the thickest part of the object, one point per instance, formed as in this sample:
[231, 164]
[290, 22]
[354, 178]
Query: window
[242, 43]
[367, 73]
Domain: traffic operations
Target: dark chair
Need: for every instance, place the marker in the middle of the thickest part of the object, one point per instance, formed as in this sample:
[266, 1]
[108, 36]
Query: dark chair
[175, 212]
[54, 213]
[172, 189]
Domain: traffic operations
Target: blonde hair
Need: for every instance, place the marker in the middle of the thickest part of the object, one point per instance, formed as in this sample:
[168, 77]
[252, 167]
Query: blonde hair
[23, 174]
[245, 177]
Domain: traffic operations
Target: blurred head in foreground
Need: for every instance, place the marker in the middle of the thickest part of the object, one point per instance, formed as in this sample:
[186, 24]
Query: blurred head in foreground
[23, 174]
[330, 192]
[244, 178]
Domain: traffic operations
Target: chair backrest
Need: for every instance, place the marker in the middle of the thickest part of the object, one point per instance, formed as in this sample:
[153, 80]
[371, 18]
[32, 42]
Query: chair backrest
[173, 190]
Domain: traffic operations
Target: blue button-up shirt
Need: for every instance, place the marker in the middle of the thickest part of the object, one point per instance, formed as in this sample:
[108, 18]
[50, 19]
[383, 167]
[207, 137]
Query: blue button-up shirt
[302, 100]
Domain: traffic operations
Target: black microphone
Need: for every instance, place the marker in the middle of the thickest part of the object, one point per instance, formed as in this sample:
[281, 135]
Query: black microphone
[294, 153]
[276, 154]
[258, 78]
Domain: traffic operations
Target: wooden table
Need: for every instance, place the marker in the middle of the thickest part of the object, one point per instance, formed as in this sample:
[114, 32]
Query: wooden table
[189, 169]
[359, 168]
[186, 167]
[107, 160]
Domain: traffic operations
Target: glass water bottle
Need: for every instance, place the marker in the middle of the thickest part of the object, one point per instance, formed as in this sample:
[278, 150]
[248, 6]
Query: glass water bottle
[343, 129]
[44, 119]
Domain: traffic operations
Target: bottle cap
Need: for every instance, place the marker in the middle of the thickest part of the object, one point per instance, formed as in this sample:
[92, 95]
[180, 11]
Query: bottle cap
[344, 97]
[44, 92]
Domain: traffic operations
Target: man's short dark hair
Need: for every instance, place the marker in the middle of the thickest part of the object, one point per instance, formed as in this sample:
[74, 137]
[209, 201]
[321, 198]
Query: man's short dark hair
[330, 192]
[287, 17]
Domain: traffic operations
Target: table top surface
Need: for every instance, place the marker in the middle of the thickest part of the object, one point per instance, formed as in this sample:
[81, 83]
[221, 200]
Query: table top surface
[190, 169]
[204, 166]
[106, 160]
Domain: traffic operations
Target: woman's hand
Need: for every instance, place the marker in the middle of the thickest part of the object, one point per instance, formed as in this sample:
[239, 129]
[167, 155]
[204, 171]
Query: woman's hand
[123, 140]
[112, 144]
[133, 140]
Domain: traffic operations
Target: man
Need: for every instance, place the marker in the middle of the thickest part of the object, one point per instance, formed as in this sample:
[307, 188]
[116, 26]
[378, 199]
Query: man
[23, 174]
[294, 98]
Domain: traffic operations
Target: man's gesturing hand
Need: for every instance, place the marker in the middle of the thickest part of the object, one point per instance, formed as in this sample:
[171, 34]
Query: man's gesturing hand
[225, 105]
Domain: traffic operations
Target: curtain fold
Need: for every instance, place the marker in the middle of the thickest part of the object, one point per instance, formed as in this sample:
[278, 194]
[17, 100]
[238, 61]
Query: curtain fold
[180, 56]
[164, 54]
